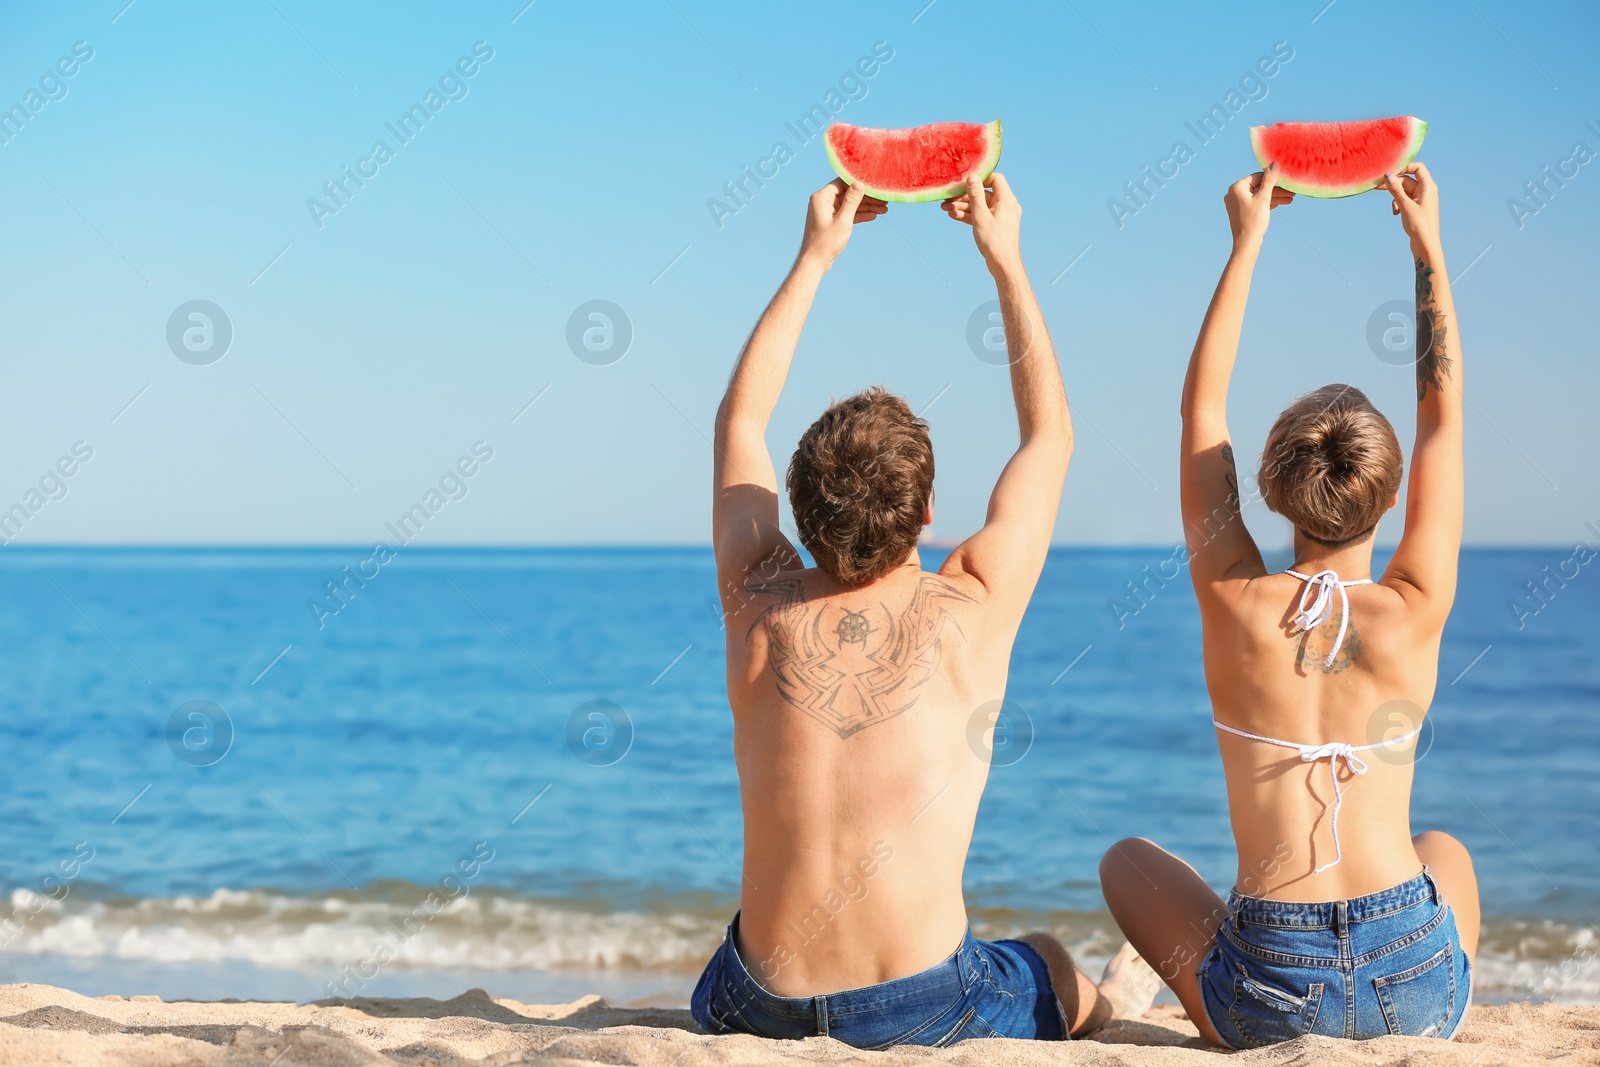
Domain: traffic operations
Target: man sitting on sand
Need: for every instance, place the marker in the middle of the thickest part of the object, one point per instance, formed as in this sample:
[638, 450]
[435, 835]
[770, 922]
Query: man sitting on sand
[855, 685]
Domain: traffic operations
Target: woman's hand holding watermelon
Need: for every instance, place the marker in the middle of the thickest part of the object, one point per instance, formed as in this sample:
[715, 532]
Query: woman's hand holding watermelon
[833, 210]
[995, 218]
[1250, 199]
[1417, 204]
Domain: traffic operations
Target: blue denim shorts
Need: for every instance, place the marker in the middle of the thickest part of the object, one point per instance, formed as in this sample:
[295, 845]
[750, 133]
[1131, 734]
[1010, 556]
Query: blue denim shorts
[1388, 963]
[985, 989]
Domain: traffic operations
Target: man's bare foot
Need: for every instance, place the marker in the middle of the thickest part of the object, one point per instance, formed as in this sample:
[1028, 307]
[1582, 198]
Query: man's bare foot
[1129, 983]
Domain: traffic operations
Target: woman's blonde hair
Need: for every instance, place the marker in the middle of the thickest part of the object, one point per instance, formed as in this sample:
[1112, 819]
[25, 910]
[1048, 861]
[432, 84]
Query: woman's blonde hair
[1331, 465]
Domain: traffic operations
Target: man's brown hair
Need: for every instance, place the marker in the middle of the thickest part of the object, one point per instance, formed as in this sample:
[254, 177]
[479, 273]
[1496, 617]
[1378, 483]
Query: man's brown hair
[1331, 465]
[859, 484]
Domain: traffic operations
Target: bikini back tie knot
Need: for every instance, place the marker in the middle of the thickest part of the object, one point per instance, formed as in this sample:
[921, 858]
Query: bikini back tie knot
[1316, 605]
[1334, 752]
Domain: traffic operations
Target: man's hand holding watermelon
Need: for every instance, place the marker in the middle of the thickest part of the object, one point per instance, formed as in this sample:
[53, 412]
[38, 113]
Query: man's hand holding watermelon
[995, 217]
[833, 211]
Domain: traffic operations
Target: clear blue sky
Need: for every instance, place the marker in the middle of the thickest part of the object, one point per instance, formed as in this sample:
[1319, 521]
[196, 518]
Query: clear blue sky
[576, 164]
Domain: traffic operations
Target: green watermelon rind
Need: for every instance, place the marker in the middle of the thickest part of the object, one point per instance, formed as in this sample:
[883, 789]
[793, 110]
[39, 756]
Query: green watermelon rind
[922, 196]
[1419, 131]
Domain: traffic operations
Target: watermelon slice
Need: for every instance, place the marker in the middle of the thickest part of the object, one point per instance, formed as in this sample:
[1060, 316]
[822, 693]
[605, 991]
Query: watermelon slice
[917, 165]
[1333, 159]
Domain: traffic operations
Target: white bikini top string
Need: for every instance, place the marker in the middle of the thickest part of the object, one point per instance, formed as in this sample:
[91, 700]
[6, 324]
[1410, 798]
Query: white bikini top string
[1323, 584]
[1333, 752]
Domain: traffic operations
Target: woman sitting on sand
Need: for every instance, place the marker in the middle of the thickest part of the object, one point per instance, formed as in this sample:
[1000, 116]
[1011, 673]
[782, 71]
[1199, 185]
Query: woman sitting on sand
[1341, 923]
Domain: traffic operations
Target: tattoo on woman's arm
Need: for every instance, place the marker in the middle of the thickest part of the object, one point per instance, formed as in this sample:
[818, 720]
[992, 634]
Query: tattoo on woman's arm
[1232, 475]
[1433, 366]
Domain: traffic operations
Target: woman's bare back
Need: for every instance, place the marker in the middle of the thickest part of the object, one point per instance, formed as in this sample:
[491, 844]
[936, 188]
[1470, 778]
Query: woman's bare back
[1269, 678]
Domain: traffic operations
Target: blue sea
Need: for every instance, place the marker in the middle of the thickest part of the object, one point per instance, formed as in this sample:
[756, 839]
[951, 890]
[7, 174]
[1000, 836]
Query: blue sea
[513, 768]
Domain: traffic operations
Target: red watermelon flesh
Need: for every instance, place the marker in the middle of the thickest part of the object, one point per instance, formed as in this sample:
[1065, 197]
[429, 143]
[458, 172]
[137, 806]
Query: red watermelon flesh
[916, 165]
[1333, 159]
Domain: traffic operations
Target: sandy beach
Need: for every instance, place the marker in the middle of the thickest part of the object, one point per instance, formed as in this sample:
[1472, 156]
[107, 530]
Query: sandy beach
[45, 1025]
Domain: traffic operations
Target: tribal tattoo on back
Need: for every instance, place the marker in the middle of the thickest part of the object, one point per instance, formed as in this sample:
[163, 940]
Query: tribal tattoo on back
[853, 667]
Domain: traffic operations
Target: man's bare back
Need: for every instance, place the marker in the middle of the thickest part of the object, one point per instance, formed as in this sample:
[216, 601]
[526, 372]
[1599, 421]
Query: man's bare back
[856, 833]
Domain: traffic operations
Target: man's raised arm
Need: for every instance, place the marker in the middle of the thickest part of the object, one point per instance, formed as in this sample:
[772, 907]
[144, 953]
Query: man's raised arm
[744, 510]
[1007, 555]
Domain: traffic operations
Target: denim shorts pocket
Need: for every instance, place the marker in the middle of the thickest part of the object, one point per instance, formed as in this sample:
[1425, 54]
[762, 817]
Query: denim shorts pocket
[724, 1018]
[959, 1031]
[1420, 1001]
[935, 1028]
[1264, 1015]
